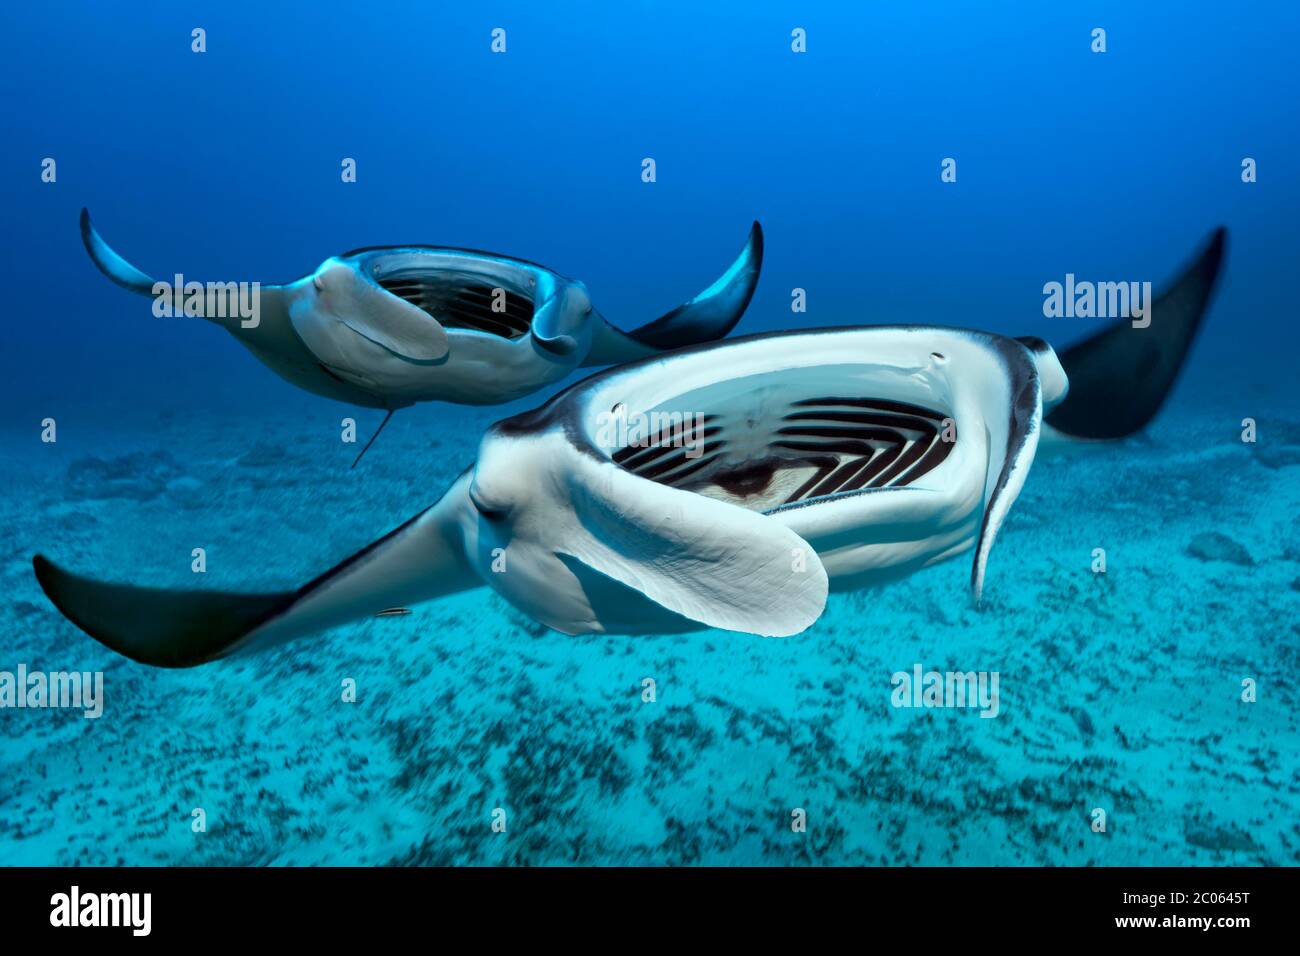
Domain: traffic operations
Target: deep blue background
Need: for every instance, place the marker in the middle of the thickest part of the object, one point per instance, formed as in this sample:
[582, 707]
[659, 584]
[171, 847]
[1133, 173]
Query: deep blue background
[226, 164]
[1121, 691]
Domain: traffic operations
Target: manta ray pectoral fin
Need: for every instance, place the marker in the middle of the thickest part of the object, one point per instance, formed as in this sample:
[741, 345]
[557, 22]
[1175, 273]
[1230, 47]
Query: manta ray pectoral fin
[157, 626]
[1120, 377]
[420, 560]
[234, 305]
[110, 263]
[703, 559]
[709, 316]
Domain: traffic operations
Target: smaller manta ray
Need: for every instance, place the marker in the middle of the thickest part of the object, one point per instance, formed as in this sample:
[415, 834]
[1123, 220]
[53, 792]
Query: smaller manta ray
[774, 468]
[388, 326]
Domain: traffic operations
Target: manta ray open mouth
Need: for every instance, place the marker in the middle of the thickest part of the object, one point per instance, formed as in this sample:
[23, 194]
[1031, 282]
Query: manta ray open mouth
[790, 463]
[459, 303]
[767, 445]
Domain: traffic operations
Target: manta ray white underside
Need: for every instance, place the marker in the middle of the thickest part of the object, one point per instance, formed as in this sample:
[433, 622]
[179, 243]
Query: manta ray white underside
[791, 464]
[835, 458]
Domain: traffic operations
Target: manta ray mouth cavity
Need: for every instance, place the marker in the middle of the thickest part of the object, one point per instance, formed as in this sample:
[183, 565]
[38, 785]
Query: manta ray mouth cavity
[767, 448]
[461, 304]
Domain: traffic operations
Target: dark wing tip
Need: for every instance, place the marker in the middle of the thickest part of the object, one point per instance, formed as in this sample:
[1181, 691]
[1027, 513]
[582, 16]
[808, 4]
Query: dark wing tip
[87, 230]
[1121, 376]
[43, 567]
[111, 264]
[157, 626]
[1212, 258]
[51, 579]
[709, 317]
[1205, 267]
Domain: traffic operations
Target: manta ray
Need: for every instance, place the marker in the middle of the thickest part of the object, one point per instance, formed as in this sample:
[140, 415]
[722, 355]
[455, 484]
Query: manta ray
[388, 326]
[793, 464]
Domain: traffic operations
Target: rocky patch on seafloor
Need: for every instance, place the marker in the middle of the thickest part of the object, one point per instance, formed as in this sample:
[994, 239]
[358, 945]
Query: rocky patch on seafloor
[1202, 830]
[1278, 446]
[263, 454]
[1216, 546]
[139, 476]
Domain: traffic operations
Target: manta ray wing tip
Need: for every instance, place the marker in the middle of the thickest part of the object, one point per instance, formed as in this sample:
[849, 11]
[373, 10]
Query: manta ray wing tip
[1218, 243]
[755, 243]
[46, 571]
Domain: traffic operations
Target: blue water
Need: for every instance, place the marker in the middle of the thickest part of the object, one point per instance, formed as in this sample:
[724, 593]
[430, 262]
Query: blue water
[1120, 692]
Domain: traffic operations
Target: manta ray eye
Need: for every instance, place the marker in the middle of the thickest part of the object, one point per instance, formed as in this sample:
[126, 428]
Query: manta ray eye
[316, 281]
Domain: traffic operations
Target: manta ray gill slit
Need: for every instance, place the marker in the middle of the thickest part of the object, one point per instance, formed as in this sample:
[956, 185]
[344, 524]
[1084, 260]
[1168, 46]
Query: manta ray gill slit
[458, 301]
[766, 446]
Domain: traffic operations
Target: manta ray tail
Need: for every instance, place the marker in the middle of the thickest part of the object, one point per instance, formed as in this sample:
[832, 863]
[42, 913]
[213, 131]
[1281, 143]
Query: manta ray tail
[1120, 377]
[418, 561]
[357, 460]
[709, 316]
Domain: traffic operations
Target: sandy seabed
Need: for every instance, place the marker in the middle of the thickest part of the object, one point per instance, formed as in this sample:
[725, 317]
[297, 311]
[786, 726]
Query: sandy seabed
[1120, 691]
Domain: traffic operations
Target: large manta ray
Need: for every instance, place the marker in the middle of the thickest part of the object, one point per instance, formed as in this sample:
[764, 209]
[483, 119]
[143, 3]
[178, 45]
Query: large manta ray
[793, 463]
